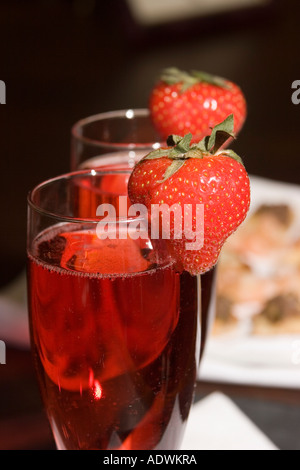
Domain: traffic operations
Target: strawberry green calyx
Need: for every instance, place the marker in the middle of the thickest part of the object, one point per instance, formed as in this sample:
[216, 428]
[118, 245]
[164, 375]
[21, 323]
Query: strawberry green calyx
[173, 75]
[219, 135]
[180, 148]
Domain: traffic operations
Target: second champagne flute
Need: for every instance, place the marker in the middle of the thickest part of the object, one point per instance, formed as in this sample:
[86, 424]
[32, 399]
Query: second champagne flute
[118, 140]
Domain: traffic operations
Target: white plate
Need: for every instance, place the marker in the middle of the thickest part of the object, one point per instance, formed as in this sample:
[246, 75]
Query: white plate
[244, 358]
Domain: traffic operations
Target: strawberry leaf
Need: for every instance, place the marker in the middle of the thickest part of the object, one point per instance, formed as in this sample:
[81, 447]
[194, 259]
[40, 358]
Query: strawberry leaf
[158, 153]
[179, 146]
[209, 78]
[203, 144]
[173, 75]
[232, 154]
[172, 169]
[173, 140]
[220, 133]
[180, 149]
[184, 144]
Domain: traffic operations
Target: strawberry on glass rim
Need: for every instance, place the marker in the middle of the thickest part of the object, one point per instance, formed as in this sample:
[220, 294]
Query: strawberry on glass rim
[195, 175]
[182, 102]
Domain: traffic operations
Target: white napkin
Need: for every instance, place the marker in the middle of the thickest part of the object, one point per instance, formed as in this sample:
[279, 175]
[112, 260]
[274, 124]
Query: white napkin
[216, 423]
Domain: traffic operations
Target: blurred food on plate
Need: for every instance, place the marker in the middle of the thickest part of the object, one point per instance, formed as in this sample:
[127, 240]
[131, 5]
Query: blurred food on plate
[259, 274]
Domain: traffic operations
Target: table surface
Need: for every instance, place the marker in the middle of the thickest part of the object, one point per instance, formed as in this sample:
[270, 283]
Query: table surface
[61, 62]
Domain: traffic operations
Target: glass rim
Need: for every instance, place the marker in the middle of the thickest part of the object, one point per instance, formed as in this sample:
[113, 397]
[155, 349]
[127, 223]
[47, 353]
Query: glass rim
[72, 175]
[129, 114]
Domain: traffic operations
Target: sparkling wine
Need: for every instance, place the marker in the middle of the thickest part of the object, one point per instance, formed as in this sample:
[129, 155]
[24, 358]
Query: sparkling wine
[115, 336]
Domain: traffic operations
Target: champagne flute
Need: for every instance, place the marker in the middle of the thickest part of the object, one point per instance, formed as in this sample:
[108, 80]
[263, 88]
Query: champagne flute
[115, 330]
[114, 138]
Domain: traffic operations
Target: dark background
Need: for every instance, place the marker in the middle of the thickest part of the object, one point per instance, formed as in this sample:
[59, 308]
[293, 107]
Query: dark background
[63, 60]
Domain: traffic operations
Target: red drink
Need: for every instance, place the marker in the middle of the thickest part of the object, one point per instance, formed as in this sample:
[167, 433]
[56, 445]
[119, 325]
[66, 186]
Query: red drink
[116, 355]
[116, 185]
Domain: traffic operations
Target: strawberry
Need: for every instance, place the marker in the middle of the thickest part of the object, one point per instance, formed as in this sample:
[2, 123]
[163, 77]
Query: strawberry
[194, 102]
[194, 176]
